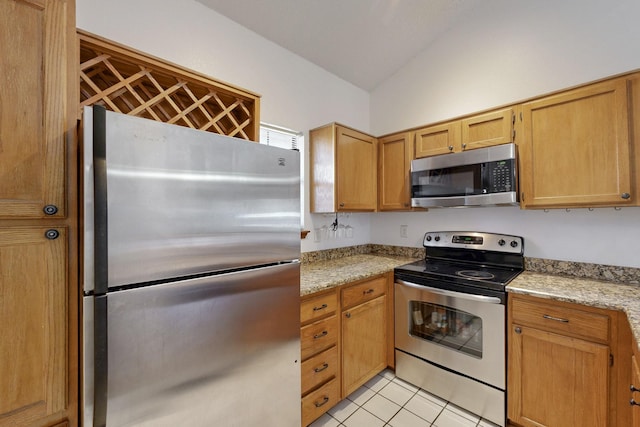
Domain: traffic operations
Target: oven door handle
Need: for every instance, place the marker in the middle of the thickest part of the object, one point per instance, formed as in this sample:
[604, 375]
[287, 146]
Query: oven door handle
[444, 292]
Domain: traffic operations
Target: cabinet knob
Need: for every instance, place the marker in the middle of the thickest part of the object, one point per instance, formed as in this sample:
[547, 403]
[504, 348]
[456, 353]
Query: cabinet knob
[450, 148]
[51, 234]
[348, 315]
[50, 209]
[518, 330]
[464, 146]
[625, 196]
[341, 205]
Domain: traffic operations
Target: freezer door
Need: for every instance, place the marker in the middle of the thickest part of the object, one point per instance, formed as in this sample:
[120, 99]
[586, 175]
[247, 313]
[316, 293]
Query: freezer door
[221, 350]
[170, 201]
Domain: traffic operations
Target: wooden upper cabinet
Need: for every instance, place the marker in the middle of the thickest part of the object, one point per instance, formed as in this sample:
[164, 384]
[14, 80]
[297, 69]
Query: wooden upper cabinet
[484, 130]
[343, 165]
[394, 172]
[438, 139]
[37, 76]
[481, 130]
[34, 319]
[574, 148]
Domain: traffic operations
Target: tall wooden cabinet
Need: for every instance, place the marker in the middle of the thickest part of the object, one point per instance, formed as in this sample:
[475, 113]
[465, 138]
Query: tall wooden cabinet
[343, 169]
[574, 148]
[38, 228]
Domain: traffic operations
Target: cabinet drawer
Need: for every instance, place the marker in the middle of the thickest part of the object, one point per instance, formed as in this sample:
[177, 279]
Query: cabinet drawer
[320, 401]
[562, 319]
[318, 336]
[364, 291]
[319, 369]
[318, 307]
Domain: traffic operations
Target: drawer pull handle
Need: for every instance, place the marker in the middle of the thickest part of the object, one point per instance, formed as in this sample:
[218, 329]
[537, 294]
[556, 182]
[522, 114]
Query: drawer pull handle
[368, 291]
[324, 400]
[322, 307]
[633, 388]
[557, 319]
[321, 368]
[320, 335]
[633, 403]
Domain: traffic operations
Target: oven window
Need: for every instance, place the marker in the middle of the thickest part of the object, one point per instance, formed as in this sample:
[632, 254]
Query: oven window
[446, 326]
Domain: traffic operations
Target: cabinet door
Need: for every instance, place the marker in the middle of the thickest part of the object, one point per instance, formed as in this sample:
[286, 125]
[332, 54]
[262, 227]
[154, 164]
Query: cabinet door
[635, 395]
[33, 319]
[574, 149]
[556, 381]
[356, 166]
[394, 172]
[37, 74]
[364, 350]
[438, 139]
[488, 129]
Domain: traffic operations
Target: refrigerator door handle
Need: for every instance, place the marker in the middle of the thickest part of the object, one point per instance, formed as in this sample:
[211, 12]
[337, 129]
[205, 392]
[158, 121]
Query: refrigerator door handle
[100, 244]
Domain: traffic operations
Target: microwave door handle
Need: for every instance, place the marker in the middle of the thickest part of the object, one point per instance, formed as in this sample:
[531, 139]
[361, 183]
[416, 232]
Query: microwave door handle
[444, 292]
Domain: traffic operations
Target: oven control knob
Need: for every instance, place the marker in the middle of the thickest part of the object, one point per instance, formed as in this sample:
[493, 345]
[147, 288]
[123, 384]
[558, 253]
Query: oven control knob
[501, 242]
[437, 238]
[514, 244]
[428, 238]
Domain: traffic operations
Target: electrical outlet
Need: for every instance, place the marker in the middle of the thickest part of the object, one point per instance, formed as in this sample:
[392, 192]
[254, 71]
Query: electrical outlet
[403, 231]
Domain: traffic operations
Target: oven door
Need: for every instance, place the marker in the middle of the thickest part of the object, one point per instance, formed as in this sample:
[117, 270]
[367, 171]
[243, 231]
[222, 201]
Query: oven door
[462, 332]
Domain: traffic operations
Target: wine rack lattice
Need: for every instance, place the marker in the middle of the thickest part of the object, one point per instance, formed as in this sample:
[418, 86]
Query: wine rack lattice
[130, 82]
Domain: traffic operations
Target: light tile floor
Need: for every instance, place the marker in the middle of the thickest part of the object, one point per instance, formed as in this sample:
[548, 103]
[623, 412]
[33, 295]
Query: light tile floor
[386, 400]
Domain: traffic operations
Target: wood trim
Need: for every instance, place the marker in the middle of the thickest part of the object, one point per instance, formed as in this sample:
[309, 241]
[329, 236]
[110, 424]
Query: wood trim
[132, 82]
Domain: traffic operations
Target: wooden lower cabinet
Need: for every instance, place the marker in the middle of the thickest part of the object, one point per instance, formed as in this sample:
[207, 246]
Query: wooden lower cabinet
[634, 401]
[559, 369]
[364, 349]
[346, 339]
[33, 325]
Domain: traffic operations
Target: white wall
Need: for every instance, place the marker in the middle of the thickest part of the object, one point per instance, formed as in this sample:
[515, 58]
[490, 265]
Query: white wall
[504, 52]
[295, 93]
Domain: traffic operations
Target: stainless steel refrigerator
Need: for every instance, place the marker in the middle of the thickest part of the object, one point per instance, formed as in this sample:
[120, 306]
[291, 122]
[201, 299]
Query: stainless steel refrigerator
[191, 245]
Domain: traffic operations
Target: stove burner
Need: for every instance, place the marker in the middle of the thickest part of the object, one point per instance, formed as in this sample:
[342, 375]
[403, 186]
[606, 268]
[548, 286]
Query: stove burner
[474, 274]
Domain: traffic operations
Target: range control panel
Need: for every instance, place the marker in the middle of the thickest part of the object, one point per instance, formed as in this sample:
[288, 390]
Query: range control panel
[474, 240]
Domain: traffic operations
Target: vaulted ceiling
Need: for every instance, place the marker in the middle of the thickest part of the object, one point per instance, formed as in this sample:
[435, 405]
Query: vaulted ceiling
[361, 41]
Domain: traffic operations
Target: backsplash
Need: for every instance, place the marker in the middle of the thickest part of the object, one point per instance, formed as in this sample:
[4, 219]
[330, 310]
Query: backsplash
[612, 273]
[336, 253]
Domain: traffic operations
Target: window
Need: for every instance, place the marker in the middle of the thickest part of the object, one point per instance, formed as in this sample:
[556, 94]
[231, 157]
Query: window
[277, 136]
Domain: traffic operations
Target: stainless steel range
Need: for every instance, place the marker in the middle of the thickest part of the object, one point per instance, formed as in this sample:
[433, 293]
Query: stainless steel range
[450, 318]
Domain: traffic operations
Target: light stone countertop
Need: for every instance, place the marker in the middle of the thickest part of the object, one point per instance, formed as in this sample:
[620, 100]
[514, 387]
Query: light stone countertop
[594, 293]
[320, 275]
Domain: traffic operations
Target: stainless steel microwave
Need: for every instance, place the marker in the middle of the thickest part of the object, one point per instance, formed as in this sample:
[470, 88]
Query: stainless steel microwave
[481, 177]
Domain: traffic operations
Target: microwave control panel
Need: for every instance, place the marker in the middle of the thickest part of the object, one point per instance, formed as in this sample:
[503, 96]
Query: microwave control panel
[499, 176]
